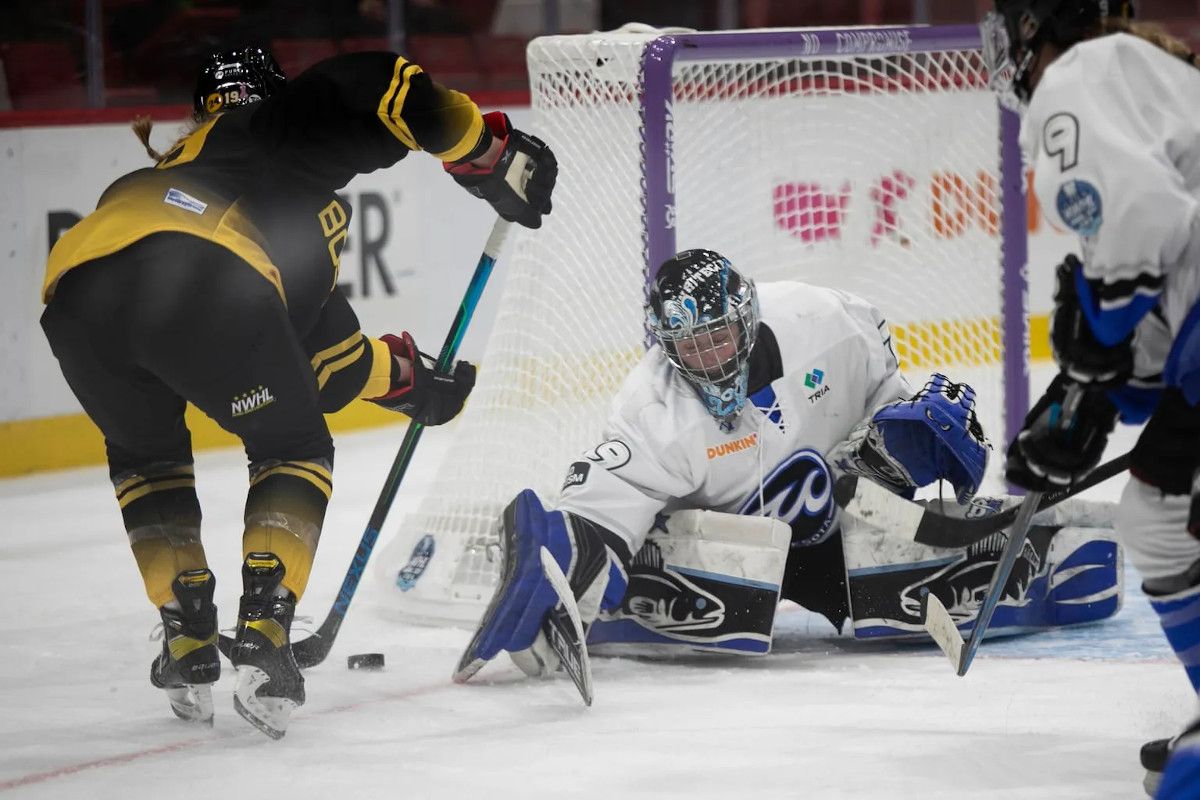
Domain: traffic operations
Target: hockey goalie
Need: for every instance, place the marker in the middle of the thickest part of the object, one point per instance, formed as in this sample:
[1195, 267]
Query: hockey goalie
[710, 498]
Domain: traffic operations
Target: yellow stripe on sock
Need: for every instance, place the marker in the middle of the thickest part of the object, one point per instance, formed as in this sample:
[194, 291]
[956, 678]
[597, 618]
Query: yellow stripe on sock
[155, 486]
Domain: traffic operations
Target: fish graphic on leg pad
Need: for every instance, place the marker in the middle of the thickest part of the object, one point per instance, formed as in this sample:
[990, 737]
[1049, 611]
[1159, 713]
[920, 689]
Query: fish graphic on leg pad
[664, 600]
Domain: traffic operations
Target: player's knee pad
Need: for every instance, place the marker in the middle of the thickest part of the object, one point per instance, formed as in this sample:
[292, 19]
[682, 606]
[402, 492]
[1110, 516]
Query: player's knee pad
[702, 580]
[1153, 528]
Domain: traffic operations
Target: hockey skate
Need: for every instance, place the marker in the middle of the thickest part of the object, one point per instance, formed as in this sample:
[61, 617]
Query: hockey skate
[1155, 755]
[269, 684]
[189, 663]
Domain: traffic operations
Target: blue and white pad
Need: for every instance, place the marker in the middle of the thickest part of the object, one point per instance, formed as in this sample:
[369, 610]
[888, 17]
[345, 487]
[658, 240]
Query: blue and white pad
[1069, 572]
[527, 596]
[703, 581]
[936, 435]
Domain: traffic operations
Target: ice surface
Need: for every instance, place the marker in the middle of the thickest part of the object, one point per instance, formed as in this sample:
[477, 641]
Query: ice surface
[1055, 715]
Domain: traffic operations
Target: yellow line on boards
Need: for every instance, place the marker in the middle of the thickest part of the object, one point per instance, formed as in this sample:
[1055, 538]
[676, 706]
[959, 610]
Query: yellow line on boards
[71, 440]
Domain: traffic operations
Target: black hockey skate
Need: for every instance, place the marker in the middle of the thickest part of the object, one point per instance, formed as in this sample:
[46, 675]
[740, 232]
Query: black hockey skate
[1155, 755]
[189, 663]
[269, 684]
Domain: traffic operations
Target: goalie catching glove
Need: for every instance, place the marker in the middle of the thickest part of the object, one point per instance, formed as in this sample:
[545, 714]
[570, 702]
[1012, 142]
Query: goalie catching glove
[429, 396]
[908, 444]
[520, 182]
[592, 559]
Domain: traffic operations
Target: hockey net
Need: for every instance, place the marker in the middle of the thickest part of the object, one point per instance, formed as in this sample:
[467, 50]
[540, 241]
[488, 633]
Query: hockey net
[871, 160]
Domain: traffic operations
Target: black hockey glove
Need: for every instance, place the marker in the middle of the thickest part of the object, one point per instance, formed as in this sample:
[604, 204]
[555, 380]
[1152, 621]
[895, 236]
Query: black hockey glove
[1076, 349]
[430, 397]
[1059, 444]
[519, 184]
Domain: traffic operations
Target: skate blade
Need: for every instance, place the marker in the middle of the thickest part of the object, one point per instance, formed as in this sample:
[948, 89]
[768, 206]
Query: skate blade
[1151, 781]
[269, 714]
[192, 703]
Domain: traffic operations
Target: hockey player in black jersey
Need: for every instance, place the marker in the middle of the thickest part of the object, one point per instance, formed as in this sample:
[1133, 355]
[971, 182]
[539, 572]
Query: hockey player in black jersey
[211, 278]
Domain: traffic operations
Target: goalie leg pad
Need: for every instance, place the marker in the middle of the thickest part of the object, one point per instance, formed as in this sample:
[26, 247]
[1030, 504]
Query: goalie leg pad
[525, 596]
[703, 581]
[1064, 576]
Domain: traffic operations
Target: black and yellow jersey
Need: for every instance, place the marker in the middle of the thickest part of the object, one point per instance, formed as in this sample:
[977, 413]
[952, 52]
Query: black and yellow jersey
[261, 180]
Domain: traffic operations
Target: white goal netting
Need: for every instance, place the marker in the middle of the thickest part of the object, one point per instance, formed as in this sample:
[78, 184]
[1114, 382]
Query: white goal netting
[878, 174]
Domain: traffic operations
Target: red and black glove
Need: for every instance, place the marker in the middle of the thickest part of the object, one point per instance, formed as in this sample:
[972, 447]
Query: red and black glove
[430, 397]
[520, 182]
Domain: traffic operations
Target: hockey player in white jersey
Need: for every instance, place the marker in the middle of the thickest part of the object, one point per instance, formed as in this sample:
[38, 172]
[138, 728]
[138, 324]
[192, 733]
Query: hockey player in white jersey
[751, 402]
[1111, 130]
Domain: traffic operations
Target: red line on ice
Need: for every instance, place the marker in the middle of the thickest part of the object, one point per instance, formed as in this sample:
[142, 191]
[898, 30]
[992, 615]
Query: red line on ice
[100, 763]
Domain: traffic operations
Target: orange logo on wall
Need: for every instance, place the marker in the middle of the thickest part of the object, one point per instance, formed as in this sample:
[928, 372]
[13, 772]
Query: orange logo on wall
[736, 446]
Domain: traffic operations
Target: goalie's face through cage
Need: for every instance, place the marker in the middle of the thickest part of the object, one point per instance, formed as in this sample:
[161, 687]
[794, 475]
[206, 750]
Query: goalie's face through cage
[704, 314]
[1016, 34]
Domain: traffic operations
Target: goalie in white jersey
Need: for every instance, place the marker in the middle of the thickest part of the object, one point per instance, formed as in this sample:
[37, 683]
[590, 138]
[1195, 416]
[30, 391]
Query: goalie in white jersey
[1112, 132]
[750, 404]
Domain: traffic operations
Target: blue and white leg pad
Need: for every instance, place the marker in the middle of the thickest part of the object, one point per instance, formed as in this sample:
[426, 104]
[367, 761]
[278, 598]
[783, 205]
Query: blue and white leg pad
[703, 581]
[524, 596]
[1064, 576]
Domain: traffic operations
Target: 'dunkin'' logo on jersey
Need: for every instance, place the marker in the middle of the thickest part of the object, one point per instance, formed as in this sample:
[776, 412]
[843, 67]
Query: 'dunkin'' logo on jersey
[799, 492]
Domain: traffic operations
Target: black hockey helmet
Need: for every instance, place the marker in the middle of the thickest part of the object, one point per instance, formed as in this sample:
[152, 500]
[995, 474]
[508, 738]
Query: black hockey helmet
[704, 313]
[1016, 30]
[234, 78]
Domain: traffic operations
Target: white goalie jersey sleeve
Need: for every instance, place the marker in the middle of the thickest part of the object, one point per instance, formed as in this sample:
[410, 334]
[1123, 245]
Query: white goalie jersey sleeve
[643, 462]
[1114, 141]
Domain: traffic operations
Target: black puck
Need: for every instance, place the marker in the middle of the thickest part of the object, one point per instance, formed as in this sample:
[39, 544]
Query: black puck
[365, 661]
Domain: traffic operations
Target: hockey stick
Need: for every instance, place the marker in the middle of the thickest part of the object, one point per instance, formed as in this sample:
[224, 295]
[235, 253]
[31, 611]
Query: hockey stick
[937, 620]
[312, 651]
[866, 500]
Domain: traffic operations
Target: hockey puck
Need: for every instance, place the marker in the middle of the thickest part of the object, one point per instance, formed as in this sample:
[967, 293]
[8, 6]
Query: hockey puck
[365, 661]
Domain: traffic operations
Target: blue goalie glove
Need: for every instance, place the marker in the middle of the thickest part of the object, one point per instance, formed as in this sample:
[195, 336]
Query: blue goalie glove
[908, 444]
[527, 614]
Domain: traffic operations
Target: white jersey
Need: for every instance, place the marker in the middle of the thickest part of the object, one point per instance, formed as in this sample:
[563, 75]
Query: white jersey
[663, 450]
[1113, 136]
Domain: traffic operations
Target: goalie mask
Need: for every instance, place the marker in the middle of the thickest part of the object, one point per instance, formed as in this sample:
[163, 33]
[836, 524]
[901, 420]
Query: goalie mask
[1015, 32]
[235, 78]
[704, 314]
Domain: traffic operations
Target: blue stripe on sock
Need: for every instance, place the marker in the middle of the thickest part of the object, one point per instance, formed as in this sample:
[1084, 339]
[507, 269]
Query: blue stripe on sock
[1180, 618]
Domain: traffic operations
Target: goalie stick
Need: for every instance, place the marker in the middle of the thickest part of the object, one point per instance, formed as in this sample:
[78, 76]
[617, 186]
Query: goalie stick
[564, 630]
[937, 619]
[866, 500]
[312, 651]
